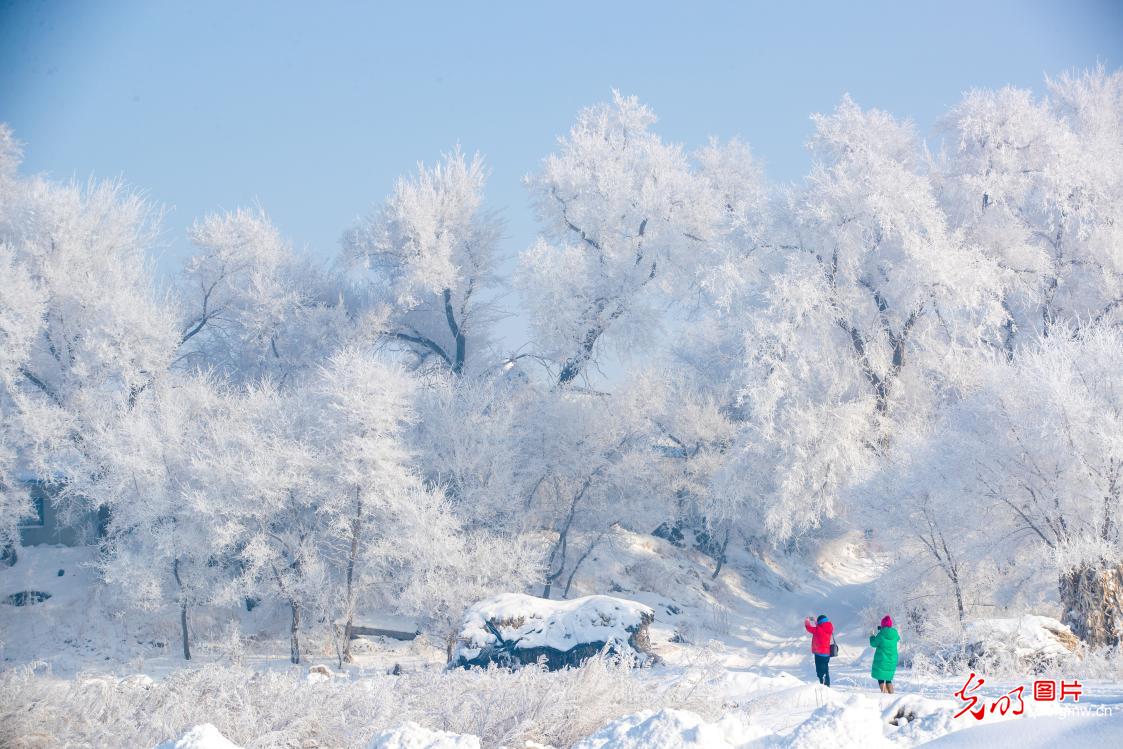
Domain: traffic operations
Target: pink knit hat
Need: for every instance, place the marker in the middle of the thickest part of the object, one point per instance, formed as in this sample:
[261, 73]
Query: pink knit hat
[887, 621]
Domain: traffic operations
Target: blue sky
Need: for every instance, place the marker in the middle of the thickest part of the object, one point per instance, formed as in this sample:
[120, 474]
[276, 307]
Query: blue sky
[313, 109]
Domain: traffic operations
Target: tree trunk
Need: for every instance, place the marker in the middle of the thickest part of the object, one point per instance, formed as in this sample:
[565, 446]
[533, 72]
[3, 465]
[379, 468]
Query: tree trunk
[457, 333]
[183, 631]
[959, 600]
[1092, 596]
[577, 564]
[356, 530]
[182, 611]
[560, 548]
[721, 555]
[345, 656]
[294, 654]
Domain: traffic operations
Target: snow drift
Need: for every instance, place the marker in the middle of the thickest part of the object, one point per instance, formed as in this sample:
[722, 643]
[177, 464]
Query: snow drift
[413, 736]
[671, 729]
[203, 736]
[513, 628]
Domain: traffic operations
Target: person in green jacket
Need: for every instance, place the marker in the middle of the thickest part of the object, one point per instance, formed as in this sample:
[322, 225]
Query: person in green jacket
[885, 641]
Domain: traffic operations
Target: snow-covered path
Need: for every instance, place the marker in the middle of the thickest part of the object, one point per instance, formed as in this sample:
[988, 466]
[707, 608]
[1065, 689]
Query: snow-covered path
[768, 634]
[769, 677]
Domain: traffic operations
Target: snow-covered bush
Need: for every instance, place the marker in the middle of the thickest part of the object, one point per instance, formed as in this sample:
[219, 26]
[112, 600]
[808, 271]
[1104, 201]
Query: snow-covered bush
[1028, 643]
[256, 710]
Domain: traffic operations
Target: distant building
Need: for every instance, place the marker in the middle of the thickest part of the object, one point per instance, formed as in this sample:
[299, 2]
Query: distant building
[47, 525]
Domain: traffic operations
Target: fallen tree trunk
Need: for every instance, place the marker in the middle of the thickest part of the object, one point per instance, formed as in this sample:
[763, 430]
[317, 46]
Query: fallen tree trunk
[394, 634]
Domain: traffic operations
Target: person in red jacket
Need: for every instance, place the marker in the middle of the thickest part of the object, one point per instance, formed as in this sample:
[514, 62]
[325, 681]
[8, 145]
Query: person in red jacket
[821, 632]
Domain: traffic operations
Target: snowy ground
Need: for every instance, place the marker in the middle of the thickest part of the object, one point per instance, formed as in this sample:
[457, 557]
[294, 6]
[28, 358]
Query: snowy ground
[737, 673]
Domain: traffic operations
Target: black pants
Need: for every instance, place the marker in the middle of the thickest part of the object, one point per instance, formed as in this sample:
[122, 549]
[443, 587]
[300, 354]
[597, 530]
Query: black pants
[822, 668]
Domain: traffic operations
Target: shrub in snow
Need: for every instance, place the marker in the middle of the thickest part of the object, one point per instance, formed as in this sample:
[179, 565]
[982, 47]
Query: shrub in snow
[513, 629]
[261, 710]
[204, 736]
[1036, 643]
[413, 736]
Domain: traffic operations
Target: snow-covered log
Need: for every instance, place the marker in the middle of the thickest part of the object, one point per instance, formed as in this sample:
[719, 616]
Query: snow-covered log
[514, 629]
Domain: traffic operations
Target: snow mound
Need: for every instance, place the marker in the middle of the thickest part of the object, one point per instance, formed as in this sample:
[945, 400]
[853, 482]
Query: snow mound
[319, 674]
[65, 572]
[671, 729]
[853, 722]
[413, 736]
[801, 699]
[740, 685]
[1038, 733]
[1033, 641]
[203, 736]
[527, 627]
[915, 719]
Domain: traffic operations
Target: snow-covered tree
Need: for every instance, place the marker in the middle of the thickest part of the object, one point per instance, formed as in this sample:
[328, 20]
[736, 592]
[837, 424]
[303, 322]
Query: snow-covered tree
[168, 539]
[847, 350]
[467, 443]
[918, 502]
[22, 305]
[694, 429]
[624, 217]
[361, 408]
[333, 518]
[740, 247]
[1033, 459]
[694, 384]
[429, 255]
[252, 308]
[437, 567]
[265, 471]
[83, 329]
[1037, 185]
[580, 457]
